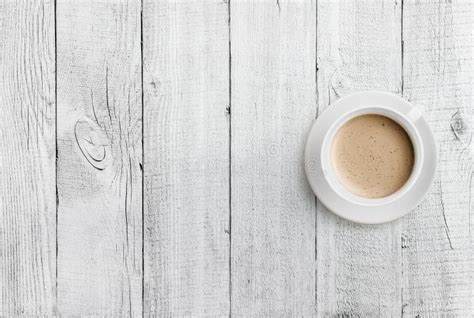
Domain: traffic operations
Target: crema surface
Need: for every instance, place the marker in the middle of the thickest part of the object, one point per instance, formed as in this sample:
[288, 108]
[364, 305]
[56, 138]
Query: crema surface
[372, 156]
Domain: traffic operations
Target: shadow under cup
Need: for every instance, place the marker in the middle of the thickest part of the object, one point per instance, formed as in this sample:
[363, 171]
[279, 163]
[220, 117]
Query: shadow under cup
[352, 156]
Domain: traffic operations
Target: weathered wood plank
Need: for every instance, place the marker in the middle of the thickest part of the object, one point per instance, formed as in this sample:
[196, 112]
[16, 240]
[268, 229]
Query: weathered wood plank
[273, 104]
[359, 48]
[438, 267]
[186, 164]
[99, 158]
[27, 159]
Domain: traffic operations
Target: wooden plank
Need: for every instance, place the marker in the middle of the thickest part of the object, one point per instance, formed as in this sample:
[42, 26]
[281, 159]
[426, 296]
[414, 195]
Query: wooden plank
[359, 48]
[27, 159]
[273, 99]
[186, 165]
[438, 267]
[100, 152]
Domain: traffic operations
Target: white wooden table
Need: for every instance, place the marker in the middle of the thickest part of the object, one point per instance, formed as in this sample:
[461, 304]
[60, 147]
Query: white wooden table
[151, 158]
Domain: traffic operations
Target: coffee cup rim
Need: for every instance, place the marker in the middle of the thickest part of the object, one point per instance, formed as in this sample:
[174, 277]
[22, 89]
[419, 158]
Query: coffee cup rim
[404, 121]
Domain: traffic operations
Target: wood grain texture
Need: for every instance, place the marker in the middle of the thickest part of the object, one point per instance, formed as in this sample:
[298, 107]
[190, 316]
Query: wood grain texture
[437, 238]
[273, 104]
[359, 48]
[186, 165]
[100, 152]
[230, 89]
[27, 159]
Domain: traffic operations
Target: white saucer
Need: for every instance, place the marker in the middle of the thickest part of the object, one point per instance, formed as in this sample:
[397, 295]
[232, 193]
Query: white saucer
[326, 186]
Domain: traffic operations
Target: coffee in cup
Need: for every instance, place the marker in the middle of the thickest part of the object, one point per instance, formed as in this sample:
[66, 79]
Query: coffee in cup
[372, 156]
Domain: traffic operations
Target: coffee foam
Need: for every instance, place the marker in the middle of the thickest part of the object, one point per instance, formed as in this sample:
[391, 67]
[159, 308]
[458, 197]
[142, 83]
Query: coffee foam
[372, 156]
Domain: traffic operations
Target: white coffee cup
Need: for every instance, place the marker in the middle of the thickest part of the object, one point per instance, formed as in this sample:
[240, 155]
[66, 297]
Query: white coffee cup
[323, 179]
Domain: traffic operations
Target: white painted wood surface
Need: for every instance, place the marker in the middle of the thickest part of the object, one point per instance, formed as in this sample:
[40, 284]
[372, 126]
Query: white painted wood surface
[27, 159]
[438, 238]
[99, 155]
[204, 210]
[273, 103]
[186, 164]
